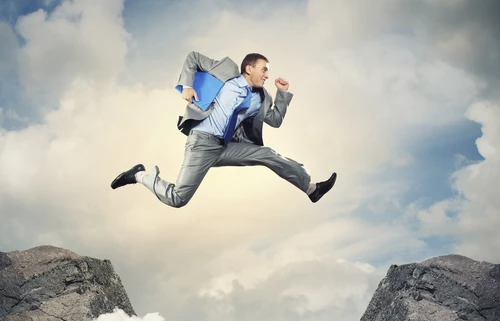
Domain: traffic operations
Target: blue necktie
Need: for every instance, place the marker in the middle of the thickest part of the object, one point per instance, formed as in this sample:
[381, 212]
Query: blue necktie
[245, 104]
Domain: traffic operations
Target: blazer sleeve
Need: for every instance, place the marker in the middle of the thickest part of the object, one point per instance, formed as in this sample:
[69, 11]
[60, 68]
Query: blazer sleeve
[274, 116]
[194, 62]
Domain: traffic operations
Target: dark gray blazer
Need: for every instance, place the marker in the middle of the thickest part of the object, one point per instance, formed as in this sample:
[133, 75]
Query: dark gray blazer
[250, 130]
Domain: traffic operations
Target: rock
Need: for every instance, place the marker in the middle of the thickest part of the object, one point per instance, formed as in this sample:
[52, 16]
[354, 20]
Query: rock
[445, 288]
[52, 284]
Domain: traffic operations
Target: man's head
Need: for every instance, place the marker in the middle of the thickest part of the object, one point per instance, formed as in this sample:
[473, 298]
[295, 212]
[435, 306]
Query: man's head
[255, 69]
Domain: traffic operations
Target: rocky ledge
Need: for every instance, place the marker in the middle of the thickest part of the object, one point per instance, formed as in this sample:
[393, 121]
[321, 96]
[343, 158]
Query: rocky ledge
[52, 284]
[445, 288]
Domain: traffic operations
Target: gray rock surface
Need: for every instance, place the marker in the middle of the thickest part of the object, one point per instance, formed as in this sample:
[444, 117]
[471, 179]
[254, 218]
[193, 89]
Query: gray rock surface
[52, 284]
[445, 288]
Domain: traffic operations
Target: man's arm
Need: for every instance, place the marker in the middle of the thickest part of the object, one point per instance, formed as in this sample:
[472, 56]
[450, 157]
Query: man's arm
[274, 116]
[194, 62]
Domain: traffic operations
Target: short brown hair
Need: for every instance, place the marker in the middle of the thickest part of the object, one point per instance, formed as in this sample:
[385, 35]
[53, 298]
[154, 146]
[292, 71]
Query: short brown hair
[251, 59]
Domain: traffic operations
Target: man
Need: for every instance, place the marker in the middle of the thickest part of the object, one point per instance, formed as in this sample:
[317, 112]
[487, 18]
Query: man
[229, 132]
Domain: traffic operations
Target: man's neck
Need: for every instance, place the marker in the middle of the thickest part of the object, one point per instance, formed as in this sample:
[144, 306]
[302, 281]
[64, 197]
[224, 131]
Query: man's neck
[247, 78]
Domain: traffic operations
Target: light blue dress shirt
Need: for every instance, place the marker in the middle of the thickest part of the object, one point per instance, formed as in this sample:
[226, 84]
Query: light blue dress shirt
[232, 93]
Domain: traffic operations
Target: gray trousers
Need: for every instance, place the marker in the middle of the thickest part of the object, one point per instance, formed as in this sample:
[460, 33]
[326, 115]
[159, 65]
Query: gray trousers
[203, 151]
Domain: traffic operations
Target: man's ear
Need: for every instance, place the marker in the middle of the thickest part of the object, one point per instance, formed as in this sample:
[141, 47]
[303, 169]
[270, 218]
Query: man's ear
[248, 69]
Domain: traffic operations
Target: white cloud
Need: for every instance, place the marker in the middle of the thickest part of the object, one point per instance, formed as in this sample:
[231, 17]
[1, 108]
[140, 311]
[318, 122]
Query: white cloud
[264, 251]
[316, 289]
[472, 217]
[478, 184]
[252, 264]
[438, 219]
[120, 315]
[78, 40]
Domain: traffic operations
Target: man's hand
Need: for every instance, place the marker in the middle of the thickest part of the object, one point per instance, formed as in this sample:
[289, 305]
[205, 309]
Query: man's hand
[188, 94]
[281, 84]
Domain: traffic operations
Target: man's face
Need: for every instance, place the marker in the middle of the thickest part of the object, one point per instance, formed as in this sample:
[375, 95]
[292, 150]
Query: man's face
[258, 73]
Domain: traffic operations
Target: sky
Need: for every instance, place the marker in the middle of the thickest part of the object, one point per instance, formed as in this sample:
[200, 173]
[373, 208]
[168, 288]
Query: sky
[400, 98]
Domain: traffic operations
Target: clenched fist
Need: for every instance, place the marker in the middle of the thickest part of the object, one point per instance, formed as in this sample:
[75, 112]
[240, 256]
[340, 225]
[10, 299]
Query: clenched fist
[281, 83]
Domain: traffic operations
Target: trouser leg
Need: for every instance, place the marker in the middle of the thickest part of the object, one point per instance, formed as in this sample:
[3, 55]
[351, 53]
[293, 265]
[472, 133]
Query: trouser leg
[201, 153]
[246, 154]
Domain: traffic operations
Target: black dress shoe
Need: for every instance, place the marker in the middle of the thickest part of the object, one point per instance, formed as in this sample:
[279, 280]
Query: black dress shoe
[127, 177]
[322, 188]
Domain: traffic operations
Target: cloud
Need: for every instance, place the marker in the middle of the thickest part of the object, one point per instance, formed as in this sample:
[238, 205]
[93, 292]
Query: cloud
[9, 85]
[454, 30]
[366, 82]
[471, 216]
[73, 42]
[120, 315]
[315, 289]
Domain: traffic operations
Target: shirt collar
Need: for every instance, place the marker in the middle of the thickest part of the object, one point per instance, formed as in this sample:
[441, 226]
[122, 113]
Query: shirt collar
[242, 82]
